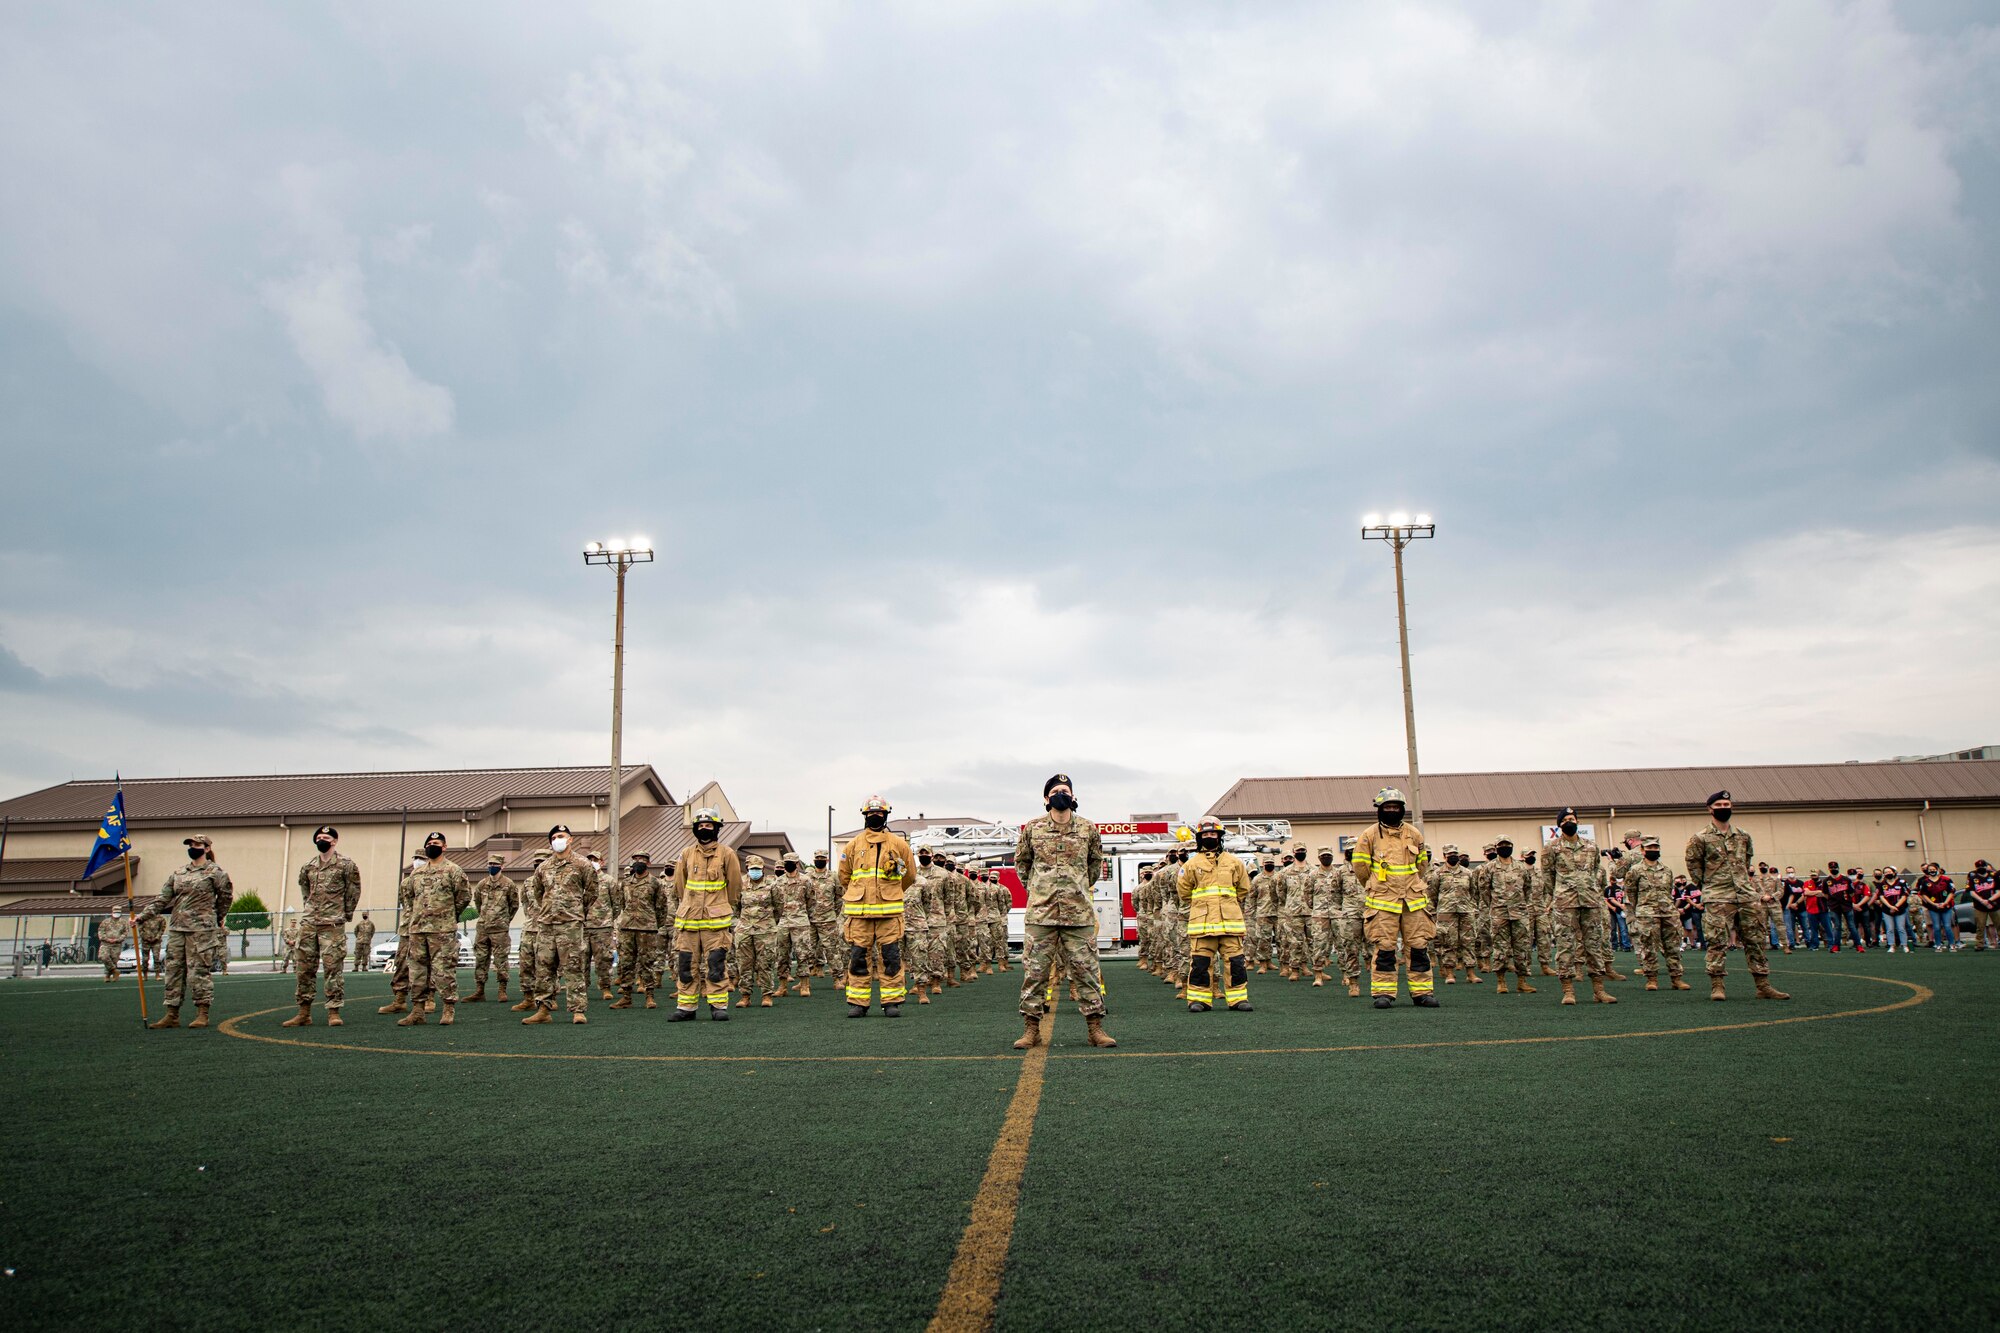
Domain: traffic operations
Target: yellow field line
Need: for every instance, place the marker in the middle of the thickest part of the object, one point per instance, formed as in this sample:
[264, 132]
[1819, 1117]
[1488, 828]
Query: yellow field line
[973, 1287]
[1919, 995]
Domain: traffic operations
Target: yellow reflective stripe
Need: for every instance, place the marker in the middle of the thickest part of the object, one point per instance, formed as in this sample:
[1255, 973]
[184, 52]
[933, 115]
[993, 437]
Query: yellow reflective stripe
[706, 885]
[1203, 994]
[1237, 994]
[1216, 928]
[702, 922]
[1407, 868]
[858, 994]
[1419, 904]
[875, 874]
[1216, 891]
[1384, 904]
[890, 993]
[716, 997]
[1377, 986]
[1420, 983]
[874, 909]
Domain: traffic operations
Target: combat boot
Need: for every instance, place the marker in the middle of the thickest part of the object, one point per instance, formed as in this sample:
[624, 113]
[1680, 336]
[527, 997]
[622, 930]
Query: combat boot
[523, 1007]
[503, 992]
[1353, 988]
[395, 1006]
[334, 1020]
[1319, 978]
[302, 1019]
[478, 994]
[951, 982]
[1652, 982]
[431, 1005]
[1004, 967]
[1501, 988]
[923, 996]
[651, 1003]
[1715, 991]
[1614, 974]
[200, 1016]
[1472, 977]
[1766, 991]
[1547, 971]
[743, 1001]
[540, 1015]
[1678, 984]
[1569, 992]
[444, 1019]
[603, 994]
[1599, 994]
[623, 1002]
[1098, 1036]
[765, 1003]
[414, 1017]
[805, 988]
[1030, 1036]
[577, 1019]
[170, 1019]
[1451, 976]
[1521, 984]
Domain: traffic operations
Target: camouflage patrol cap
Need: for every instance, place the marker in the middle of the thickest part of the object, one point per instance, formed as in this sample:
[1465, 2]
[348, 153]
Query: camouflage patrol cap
[791, 858]
[1489, 849]
[1634, 833]
[753, 863]
[197, 840]
[1323, 851]
[1648, 843]
[1450, 848]
[495, 859]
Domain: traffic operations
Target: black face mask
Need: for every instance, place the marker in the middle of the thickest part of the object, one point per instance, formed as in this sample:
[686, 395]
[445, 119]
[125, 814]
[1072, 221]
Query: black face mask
[324, 844]
[1721, 815]
[1211, 843]
[877, 821]
[638, 867]
[196, 853]
[1390, 818]
[923, 860]
[1505, 849]
[1569, 828]
[1326, 860]
[1652, 856]
[493, 870]
[704, 835]
[1061, 800]
[433, 850]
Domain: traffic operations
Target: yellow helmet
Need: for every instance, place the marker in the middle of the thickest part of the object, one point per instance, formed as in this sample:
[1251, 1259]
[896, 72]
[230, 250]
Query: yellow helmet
[1208, 826]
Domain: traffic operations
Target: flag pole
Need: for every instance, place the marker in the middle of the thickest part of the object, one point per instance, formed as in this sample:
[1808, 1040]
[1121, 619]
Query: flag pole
[138, 945]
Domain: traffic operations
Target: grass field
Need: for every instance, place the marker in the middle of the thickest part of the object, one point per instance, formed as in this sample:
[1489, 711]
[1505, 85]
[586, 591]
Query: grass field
[1314, 1164]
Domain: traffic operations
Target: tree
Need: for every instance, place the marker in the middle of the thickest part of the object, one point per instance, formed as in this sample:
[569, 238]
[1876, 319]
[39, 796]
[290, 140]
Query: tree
[246, 914]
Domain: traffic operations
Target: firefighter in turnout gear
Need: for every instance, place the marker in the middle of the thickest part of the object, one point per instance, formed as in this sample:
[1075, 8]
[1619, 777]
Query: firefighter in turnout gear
[875, 868]
[1389, 863]
[1212, 885]
[708, 880]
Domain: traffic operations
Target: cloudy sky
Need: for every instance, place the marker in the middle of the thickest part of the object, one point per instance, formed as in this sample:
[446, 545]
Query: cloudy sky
[1001, 384]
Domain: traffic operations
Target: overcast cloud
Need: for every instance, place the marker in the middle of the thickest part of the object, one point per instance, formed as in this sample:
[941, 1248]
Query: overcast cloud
[1001, 384]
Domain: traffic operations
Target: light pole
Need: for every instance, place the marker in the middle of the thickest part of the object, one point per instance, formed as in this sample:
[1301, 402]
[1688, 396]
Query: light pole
[621, 555]
[1399, 530]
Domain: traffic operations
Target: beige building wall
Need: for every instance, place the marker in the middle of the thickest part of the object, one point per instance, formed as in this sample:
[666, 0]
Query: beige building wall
[1804, 839]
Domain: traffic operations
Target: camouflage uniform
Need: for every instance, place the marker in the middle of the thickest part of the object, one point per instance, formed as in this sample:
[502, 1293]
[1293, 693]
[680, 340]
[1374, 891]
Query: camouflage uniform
[1179, 949]
[438, 893]
[364, 940]
[329, 891]
[641, 904]
[1718, 863]
[1511, 885]
[1656, 920]
[600, 938]
[288, 945]
[152, 943]
[999, 902]
[112, 932]
[1060, 864]
[1457, 929]
[794, 939]
[823, 910]
[497, 898]
[531, 939]
[1294, 911]
[1541, 921]
[1145, 904]
[1482, 916]
[1320, 906]
[194, 897]
[1572, 874]
[958, 915]
[399, 966]
[564, 888]
[1347, 919]
[756, 933]
[1270, 897]
[923, 932]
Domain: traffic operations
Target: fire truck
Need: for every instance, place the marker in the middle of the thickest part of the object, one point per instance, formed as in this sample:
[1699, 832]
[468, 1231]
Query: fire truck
[1129, 847]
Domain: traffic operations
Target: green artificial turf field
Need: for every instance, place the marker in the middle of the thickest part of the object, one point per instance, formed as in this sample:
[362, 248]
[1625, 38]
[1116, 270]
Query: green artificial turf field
[1208, 1171]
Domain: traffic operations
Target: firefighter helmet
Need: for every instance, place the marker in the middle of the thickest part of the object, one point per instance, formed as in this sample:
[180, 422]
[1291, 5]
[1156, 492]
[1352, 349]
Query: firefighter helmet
[874, 803]
[1388, 794]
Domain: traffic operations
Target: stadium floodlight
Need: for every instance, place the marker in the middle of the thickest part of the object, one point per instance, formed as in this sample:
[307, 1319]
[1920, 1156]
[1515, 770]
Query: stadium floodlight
[620, 555]
[1399, 532]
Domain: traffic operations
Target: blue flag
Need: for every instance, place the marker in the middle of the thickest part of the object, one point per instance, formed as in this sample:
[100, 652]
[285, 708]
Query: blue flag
[112, 842]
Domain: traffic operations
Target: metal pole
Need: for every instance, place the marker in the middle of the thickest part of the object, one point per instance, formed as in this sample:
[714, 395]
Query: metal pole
[1409, 703]
[138, 945]
[829, 833]
[617, 718]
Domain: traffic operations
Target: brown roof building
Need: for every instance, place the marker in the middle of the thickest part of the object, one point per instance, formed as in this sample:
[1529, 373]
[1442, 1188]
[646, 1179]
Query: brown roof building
[1799, 814]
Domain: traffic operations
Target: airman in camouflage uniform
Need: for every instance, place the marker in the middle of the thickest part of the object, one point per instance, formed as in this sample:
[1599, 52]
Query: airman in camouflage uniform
[924, 926]
[1348, 909]
[112, 932]
[196, 896]
[1541, 919]
[1320, 905]
[1457, 931]
[1656, 918]
[152, 944]
[1294, 912]
[1511, 886]
[399, 965]
[1572, 873]
[531, 910]
[958, 911]
[640, 902]
[756, 935]
[1179, 949]
[288, 944]
[998, 902]
[1256, 945]
[1145, 905]
[1718, 863]
[1060, 857]
[364, 940]
[795, 934]
[600, 934]
[563, 888]
[497, 897]
[1482, 912]
[438, 893]
[823, 910]
[329, 890]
